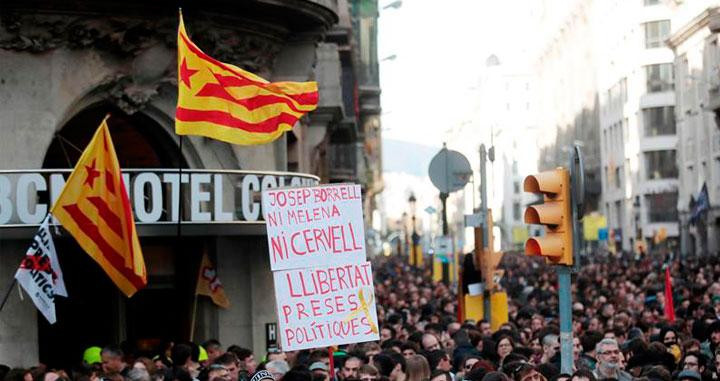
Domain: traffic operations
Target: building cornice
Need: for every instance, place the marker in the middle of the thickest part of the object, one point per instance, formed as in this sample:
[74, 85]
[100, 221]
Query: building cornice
[698, 22]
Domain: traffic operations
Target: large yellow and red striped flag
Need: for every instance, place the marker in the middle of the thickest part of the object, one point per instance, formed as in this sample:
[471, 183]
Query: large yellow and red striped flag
[94, 208]
[224, 102]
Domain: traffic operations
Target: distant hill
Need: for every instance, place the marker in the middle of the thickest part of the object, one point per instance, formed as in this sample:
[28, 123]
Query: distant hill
[407, 157]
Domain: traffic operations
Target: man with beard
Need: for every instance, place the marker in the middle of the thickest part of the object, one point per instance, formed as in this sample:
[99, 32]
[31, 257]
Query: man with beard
[608, 361]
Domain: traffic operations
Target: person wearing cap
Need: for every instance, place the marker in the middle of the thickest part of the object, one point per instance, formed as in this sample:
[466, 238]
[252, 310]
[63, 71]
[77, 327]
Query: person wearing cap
[609, 361]
[92, 356]
[689, 375]
[319, 369]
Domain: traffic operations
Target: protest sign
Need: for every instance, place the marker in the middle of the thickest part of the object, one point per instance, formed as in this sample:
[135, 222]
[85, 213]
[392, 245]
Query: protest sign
[39, 273]
[314, 226]
[326, 305]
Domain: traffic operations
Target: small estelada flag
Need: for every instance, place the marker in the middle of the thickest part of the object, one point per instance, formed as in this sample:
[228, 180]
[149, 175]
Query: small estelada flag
[208, 283]
[40, 274]
[94, 208]
[223, 102]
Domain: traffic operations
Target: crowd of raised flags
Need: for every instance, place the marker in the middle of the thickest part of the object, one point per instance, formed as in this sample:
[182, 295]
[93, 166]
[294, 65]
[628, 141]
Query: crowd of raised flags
[215, 99]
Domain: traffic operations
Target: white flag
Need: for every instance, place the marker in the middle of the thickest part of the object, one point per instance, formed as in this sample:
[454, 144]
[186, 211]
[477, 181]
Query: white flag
[39, 273]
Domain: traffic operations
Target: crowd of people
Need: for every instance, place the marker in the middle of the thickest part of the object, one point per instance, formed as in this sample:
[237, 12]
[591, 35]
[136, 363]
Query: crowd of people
[620, 333]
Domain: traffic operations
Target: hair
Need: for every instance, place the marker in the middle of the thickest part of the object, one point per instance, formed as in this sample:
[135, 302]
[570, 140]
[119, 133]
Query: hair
[496, 376]
[226, 358]
[136, 374]
[418, 368]
[368, 369]
[318, 355]
[702, 360]
[149, 364]
[410, 345]
[549, 339]
[583, 373]
[499, 339]
[113, 350]
[434, 357]
[180, 353]
[212, 344]
[298, 374]
[603, 342]
[438, 372]
[240, 352]
[384, 363]
[589, 340]
[393, 332]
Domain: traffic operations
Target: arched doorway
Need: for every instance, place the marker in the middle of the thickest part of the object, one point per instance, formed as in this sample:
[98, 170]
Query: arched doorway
[96, 313]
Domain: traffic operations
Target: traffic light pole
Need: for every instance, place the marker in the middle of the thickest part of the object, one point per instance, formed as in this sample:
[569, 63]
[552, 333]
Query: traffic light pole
[485, 228]
[577, 194]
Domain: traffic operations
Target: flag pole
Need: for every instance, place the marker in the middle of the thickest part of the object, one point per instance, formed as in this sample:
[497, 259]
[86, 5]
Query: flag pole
[194, 316]
[7, 294]
[180, 198]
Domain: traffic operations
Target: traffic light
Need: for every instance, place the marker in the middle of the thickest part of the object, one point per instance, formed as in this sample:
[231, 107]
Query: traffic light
[555, 213]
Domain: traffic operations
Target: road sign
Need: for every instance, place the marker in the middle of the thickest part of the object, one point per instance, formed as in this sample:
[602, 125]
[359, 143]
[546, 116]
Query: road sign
[443, 245]
[449, 171]
[474, 220]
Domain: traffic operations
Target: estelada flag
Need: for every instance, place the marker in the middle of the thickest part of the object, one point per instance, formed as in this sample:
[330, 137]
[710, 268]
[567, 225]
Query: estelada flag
[208, 283]
[669, 307]
[224, 102]
[94, 208]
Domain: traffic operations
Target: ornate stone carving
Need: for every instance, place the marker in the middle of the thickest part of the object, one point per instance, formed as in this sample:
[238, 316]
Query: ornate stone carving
[127, 37]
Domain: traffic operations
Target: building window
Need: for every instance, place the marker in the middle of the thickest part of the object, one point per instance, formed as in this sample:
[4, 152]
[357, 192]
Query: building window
[659, 121]
[618, 176]
[516, 211]
[661, 165]
[656, 32]
[515, 167]
[516, 187]
[662, 207]
[660, 77]
[648, 3]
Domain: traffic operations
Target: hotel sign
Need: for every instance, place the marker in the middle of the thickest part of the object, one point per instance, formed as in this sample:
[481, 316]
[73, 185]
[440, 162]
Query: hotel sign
[209, 196]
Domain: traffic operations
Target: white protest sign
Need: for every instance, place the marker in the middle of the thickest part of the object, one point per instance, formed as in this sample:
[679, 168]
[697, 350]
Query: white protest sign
[314, 226]
[326, 305]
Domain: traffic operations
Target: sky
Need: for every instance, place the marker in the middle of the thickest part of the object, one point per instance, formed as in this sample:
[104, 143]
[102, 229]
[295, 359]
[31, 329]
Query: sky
[431, 89]
[440, 48]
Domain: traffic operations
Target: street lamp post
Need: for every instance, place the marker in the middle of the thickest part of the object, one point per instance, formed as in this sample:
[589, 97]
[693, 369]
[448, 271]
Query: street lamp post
[415, 237]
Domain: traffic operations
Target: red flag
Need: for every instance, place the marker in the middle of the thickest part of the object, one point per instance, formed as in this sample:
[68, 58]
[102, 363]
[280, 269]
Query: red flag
[669, 308]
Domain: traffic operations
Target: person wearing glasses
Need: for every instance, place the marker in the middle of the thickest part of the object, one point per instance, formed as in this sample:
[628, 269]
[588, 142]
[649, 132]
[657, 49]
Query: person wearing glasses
[523, 371]
[609, 361]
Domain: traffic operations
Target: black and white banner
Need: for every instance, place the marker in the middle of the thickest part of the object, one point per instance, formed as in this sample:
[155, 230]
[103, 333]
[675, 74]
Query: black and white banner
[39, 273]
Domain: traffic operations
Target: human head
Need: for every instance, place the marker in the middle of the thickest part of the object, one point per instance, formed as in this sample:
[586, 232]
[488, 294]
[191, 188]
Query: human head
[504, 346]
[550, 345]
[468, 362]
[350, 367]
[137, 374]
[440, 375]
[689, 375]
[277, 368]
[430, 342]
[582, 375]
[246, 358]
[213, 349]
[439, 359]
[92, 356]
[608, 355]
[694, 361]
[409, 349]
[230, 362]
[368, 372]
[522, 371]
[112, 359]
[320, 370]
[418, 368]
